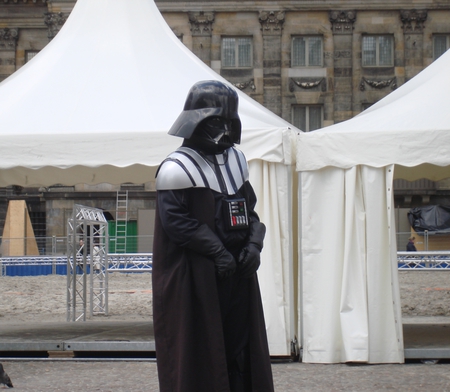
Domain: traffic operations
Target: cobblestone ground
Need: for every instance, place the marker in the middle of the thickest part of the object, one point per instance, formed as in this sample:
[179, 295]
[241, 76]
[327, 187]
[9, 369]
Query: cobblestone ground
[133, 376]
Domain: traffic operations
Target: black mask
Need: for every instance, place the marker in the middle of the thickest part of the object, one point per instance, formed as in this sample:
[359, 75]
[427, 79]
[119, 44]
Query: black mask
[212, 136]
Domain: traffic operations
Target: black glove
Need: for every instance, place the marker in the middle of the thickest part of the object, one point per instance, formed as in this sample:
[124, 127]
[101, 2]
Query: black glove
[249, 258]
[206, 242]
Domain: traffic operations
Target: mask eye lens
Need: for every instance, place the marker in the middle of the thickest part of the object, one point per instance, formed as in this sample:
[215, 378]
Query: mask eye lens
[215, 121]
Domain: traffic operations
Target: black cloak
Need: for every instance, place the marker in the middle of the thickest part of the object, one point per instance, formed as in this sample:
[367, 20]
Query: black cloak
[190, 347]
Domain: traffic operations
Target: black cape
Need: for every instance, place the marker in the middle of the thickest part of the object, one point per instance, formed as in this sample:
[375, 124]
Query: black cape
[190, 348]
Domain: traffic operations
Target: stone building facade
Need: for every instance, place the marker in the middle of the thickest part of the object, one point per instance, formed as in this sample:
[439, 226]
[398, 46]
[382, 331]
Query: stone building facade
[314, 63]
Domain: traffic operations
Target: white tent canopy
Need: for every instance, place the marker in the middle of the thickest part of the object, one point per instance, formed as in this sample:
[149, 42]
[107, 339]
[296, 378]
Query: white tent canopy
[95, 106]
[410, 128]
[115, 75]
[351, 300]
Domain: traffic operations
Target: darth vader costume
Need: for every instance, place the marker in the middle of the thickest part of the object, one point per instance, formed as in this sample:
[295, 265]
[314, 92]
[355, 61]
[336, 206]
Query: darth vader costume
[208, 318]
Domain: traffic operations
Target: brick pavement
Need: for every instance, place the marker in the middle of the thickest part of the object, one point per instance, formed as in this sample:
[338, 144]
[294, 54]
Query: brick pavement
[139, 376]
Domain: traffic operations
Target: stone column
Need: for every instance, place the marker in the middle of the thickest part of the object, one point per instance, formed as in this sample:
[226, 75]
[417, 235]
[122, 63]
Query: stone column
[272, 27]
[201, 28]
[8, 44]
[54, 21]
[342, 25]
[412, 25]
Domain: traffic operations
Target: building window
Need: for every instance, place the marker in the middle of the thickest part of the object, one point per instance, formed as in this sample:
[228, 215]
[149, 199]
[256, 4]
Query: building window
[237, 52]
[29, 54]
[307, 117]
[441, 43]
[307, 51]
[378, 51]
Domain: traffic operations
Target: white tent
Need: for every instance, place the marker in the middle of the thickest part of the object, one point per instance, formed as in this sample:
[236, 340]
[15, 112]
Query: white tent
[95, 106]
[351, 301]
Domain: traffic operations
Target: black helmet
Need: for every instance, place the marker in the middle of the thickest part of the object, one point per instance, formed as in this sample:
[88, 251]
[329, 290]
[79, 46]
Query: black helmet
[208, 99]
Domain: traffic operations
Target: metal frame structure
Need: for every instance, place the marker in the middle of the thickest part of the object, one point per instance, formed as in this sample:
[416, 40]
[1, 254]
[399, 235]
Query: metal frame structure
[142, 262]
[130, 262]
[424, 260]
[87, 231]
[122, 262]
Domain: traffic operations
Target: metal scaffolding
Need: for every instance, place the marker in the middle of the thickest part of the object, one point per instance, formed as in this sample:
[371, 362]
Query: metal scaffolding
[87, 244]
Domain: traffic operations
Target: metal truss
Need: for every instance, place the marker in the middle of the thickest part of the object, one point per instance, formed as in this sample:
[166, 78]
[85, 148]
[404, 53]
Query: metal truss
[424, 261]
[130, 262]
[53, 261]
[87, 244]
[140, 262]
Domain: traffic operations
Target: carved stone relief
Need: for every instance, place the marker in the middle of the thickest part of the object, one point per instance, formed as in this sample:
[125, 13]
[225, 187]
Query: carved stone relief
[8, 38]
[201, 23]
[54, 21]
[413, 20]
[342, 22]
[378, 84]
[11, 61]
[24, 1]
[307, 84]
[244, 85]
[342, 54]
[271, 21]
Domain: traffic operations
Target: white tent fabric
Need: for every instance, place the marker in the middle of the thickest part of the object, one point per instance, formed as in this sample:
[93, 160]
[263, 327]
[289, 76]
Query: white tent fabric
[410, 128]
[115, 75]
[94, 106]
[350, 296]
[351, 299]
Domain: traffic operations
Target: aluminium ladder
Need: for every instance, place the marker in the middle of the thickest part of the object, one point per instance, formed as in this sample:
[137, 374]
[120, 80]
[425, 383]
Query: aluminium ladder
[121, 222]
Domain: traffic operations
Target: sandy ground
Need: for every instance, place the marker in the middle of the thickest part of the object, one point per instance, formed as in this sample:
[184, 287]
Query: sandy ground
[44, 298]
[425, 293]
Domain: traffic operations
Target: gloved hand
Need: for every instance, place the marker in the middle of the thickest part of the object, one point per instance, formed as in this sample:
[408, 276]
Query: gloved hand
[225, 264]
[206, 242]
[249, 258]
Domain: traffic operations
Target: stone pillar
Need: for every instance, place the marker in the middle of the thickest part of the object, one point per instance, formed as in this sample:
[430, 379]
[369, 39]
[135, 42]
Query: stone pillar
[272, 27]
[54, 21]
[342, 25]
[201, 29]
[412, 25]
[8, 44]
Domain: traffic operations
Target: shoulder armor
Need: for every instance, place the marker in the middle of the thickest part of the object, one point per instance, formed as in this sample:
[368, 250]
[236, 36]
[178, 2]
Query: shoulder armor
[242, 162]
[186, 168]
[171, 175]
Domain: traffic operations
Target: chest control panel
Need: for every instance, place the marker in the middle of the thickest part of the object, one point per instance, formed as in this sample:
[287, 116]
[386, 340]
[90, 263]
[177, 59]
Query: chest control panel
[236, 214]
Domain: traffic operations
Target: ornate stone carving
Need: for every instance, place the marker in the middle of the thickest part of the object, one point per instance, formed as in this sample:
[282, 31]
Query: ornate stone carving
[271, 21]
[378, 84]
[10, 61]
[244, 85]
[54, 22]
[8, 38]
[413, 20]
[342, 54]
[24, 1]
[342, 22]
[307, 84]
[201, 23]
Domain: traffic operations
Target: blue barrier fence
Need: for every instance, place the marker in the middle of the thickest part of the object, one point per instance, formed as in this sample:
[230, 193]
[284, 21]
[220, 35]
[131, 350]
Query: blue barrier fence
[51, 265]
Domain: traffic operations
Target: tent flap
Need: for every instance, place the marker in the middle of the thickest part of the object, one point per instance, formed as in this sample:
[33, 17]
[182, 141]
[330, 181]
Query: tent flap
[350, 288]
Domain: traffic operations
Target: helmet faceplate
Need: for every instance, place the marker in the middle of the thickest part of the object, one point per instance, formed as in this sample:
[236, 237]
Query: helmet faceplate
[206, 99]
